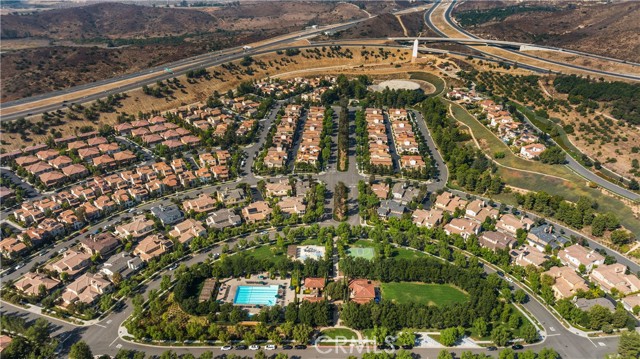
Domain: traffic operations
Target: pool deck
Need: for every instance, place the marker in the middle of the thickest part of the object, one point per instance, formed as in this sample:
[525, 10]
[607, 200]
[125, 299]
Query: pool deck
[228, 289]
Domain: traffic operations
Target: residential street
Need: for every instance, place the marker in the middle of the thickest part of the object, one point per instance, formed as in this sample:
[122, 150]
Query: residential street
[105, 336]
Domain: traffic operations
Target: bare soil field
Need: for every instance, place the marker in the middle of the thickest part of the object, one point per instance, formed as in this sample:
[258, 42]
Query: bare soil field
[610, 29]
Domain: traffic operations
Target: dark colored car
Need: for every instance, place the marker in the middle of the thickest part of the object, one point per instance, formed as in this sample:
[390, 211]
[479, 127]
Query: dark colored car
[492, 349]
[517, 347]
[407, 347]
[241, 347]
[287, 347]
[300, 346]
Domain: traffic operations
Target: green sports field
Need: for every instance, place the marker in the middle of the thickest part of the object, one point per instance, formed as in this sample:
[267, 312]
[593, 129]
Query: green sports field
[362, 252]
[431, 294]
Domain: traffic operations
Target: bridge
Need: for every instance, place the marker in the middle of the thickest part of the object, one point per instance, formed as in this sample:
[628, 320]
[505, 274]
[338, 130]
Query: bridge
[471, 41]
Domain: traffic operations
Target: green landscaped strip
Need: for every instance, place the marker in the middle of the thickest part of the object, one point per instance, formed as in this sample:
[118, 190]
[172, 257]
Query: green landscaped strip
[436, 81]
[340, 332]
[407, 253]
[432, 294]
[572, 188]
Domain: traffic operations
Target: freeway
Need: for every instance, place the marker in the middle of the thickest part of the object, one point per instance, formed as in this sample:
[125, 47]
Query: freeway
[447, 17]
[454, 24]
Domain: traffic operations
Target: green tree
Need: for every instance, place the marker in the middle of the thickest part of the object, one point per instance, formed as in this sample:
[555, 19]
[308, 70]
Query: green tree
[249, 337]
[449, 336]
[520, 296]
[301, 333]
[507, 354]
[80, 350]
[480, 325]
[445, 354]
[629, 346]
[529, 333]
[547, 353]
[598, 316]
[500, 335]
[380, 334]
[407, 337]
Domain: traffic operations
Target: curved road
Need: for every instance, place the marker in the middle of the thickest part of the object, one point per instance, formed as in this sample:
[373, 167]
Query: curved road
[447, 17]
[571, 162]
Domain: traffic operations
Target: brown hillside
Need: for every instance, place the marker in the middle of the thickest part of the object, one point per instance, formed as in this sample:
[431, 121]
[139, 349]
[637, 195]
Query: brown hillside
[109, 20]
[385, 25]
[605, 29]
[31, 71]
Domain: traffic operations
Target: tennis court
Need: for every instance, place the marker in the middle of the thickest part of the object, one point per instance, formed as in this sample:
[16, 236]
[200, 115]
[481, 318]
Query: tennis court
[360, 252]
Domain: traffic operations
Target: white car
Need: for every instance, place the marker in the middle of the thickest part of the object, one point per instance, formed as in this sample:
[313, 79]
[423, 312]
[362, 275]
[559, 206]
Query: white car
[509, 280]
[226, 347]
[254, 347]
[270, 347]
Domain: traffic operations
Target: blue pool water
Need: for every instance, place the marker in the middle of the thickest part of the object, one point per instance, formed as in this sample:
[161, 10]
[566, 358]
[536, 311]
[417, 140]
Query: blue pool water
[250, 295]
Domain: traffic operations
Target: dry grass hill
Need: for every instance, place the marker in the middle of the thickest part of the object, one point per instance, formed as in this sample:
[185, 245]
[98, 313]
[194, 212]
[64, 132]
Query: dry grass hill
[610, 29]
[55, 49]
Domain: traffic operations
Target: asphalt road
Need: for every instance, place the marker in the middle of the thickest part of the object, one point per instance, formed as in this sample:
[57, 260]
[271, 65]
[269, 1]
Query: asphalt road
[448, 19]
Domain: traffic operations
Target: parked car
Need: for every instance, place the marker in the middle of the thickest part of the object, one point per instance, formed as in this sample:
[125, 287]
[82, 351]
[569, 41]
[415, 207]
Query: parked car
[287, 347]
[226, 347]
[241, 347]
[270, 347]
[492, 349]
[254, 347]
[300, 346]
[407, 347]
[62, 250]
[517, 347]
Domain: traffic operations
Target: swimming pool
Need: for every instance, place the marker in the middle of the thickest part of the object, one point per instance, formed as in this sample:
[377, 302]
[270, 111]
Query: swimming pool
[251, 295]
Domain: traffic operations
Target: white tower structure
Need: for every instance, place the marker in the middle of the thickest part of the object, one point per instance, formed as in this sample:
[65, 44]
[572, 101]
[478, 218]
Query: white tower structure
[414, 54]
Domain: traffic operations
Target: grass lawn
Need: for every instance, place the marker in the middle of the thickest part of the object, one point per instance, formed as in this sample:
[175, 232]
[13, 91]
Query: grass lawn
[436, 81]
[340, 332]
[432, 294]
[265, 252]
[311, 242]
